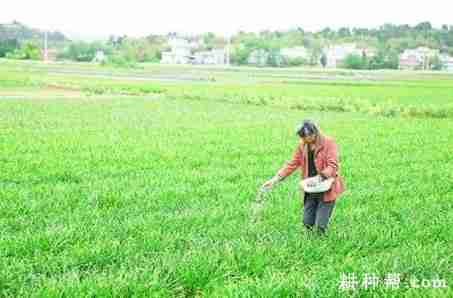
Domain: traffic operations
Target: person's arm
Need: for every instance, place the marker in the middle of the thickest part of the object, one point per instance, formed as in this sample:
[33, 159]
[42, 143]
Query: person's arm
[332, 162]
[288, 169]
[291, 165]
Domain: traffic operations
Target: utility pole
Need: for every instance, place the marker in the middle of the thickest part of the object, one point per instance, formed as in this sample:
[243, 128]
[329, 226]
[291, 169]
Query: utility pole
[46, 53]
[228, 51]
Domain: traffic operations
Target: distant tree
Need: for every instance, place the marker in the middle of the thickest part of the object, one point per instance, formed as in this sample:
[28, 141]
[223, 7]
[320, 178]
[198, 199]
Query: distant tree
[209, 40]
[55, 36]
[28, 51]
[327, 33]
[385, 58]
[274, 58]
[306, 42]
[8, 45]
[354, 61]
[344, 32]
[296, 61]
[240, 54]
[292, 38]
[120, 40]
[449, 38]
[435, 63]
[316, 52]
[423, 26]
[112, 40]
[360, 32]
[80, 51]
[323, 60]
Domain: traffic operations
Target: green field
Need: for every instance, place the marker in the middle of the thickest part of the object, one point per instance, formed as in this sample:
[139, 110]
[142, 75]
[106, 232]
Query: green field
[139, 182]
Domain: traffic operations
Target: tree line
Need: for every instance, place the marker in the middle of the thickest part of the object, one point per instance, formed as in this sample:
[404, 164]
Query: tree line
[388, 40]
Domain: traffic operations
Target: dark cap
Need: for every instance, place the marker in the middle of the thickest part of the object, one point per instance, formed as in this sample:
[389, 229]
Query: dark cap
[307, 128]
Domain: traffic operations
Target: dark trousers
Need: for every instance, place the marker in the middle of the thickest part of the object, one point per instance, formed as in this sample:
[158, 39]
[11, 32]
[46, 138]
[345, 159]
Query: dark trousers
[317, 213]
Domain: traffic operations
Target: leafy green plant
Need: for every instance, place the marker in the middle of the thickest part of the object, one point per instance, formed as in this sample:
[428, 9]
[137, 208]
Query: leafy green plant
[354, 61]
[7, 46]
[118, 60]
[28, 51]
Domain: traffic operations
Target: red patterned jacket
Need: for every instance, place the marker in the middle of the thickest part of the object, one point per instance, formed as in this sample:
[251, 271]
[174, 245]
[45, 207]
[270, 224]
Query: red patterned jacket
[326, 162]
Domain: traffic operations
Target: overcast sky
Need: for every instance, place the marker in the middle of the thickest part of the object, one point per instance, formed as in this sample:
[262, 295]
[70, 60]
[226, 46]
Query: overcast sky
[97, 19]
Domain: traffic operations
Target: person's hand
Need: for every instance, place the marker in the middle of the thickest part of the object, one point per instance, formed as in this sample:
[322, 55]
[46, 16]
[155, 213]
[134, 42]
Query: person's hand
[270, 183]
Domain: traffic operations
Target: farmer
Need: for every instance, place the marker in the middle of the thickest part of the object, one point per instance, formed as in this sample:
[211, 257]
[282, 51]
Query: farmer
[316, 154]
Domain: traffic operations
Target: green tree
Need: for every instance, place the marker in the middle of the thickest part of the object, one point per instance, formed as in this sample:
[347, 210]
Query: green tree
[423, 26]
[8, 45]
[296, 61]
[344, 32]
[435, 63]
[316, 52]
[354, 61]
[327, 33]
[385, 58]
[209, 40]
[323, 60]
[240, 54]
[79, 51]
[274, 58]
[28, 51]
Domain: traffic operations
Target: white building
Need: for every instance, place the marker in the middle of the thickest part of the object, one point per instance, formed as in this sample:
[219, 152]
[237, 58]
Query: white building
[220, 56]
[183, 52]
[180, 53]
[416, 58]
[100, 57]
[215, 56]
[337, 54]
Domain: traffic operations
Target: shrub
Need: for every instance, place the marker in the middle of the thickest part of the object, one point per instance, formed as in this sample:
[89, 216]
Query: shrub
[7, 46]
[83, 51]
[354, 61]
[118, 60]
[28, 51]
[297, 61]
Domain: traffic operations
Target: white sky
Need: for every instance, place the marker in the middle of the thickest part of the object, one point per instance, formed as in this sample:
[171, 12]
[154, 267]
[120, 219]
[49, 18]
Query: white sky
[96, 19]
